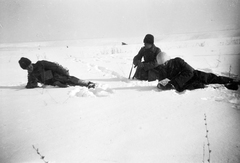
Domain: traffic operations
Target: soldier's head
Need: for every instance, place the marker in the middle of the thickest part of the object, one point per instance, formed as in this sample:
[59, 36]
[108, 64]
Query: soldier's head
[148, 41]
[25, 64]
[162, 57]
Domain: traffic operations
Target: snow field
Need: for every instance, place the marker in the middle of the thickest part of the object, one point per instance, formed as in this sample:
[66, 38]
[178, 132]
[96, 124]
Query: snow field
[121, 120]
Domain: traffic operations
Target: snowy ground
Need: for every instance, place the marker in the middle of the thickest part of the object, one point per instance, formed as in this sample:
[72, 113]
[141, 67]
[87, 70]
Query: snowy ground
[121, 121]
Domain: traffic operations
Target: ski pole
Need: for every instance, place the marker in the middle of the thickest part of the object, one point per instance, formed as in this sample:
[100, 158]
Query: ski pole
[130, 72]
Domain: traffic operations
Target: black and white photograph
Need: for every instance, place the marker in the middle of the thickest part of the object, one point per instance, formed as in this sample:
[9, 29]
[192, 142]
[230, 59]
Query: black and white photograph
[120, 81]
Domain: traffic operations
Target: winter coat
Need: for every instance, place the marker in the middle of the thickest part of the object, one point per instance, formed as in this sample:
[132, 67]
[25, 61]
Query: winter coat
[177, 71]
[47, 73]
[149, 57]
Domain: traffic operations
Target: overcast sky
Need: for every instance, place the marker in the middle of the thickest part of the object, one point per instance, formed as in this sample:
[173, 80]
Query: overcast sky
[44, 20]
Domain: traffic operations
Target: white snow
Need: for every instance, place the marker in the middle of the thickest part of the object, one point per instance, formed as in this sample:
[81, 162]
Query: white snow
[121, 121]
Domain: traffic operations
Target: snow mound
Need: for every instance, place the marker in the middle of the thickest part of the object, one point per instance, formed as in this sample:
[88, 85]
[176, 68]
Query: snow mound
[101, 90]
[81, 92]
[225, 95]
[232, 98]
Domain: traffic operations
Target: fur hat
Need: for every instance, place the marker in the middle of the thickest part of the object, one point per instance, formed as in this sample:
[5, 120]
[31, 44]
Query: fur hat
[149, 39]
[24, 63]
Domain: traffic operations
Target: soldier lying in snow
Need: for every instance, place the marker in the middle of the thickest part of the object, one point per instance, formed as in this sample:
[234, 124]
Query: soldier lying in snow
[50, 73]
[177, 74]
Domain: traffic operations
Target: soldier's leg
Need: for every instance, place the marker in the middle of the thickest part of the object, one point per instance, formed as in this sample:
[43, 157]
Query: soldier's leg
[210, 78]
[84, 83]
[141, 74]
